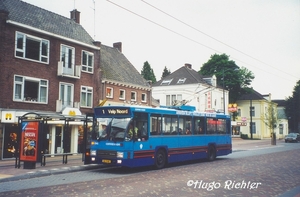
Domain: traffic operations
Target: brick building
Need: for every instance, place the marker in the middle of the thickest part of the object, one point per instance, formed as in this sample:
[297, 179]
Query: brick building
[122, 84]
[49, 65]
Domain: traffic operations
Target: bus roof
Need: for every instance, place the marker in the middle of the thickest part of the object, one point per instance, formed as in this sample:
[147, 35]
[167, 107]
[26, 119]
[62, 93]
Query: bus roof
[128, 110]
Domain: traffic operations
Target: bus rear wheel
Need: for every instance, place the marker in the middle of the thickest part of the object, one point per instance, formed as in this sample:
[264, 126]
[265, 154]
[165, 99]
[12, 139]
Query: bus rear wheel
[211, 153]
[160, 159]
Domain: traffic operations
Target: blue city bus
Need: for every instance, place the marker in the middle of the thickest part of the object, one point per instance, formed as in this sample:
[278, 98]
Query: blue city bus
[133, 136]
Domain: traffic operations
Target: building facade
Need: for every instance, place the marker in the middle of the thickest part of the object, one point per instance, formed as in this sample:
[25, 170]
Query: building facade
[252, 110]
[185, 86]
[49, 65]
[121, 83]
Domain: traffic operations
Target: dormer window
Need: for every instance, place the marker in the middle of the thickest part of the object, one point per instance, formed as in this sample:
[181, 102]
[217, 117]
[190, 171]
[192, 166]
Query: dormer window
[166, 82]
[181, 80]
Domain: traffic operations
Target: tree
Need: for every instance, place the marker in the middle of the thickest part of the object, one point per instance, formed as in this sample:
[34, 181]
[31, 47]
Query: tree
[271, 121]
[147, 72]
[292, 109]
[166, 72]
[230, 76]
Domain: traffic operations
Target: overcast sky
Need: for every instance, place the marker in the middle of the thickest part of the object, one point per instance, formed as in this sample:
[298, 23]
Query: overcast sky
[261, 35]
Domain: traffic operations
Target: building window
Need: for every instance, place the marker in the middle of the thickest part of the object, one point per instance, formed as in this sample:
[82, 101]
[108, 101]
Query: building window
[67, 56]
[166, 82]
[181, 81]
[280, 128]
[133, 96]
[122, 95]
[168, 100]
[30, 89]
[179, 97]
[173, 99]
[253, 128]
[87, 61]
[144, 97]
[31, 47]
[252, 111]
[109, 92]
[66, 94]
[86, 99]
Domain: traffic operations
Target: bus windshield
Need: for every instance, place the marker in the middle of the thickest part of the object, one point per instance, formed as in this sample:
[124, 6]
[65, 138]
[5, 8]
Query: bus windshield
[112, 129]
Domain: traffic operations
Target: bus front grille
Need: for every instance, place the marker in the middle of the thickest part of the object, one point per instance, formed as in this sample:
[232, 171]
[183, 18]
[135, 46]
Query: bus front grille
[107, 154]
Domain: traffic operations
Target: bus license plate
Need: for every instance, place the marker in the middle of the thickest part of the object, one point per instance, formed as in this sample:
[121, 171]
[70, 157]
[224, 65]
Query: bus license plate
[106, 161]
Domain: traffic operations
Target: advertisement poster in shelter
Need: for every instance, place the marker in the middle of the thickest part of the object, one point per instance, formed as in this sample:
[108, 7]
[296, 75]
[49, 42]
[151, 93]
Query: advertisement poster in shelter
[29, 139]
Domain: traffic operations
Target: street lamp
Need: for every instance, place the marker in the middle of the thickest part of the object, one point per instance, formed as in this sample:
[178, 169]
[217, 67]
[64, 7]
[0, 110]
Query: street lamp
[223, 93]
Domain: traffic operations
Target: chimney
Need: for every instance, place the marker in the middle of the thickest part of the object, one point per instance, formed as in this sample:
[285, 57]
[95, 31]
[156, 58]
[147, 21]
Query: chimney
[97, 43]
[118, 45]
[75, 15]
[188, 65]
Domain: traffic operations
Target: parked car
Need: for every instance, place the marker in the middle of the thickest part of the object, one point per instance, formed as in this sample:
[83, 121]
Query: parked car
[292, 137]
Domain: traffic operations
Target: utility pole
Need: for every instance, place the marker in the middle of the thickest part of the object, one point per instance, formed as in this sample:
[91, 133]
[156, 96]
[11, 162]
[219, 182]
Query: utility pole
[251, 110]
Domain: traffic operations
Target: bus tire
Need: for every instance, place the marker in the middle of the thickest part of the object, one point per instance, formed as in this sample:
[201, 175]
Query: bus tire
[211, 153]
[160, 159]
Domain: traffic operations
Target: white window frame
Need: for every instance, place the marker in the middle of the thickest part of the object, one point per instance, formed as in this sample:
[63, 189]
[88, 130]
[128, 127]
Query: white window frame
[86, 96]
[70, 101]
[171, 99]
[181, 80]
[89, 65]
[42, 96]
[111, 94]
[135, 95]
[166, 82]
[144, 100]
[66, 63]
[124, 94]
[20, 51]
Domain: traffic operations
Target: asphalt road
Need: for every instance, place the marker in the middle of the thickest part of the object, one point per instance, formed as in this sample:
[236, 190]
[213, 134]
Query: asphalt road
[250, 171]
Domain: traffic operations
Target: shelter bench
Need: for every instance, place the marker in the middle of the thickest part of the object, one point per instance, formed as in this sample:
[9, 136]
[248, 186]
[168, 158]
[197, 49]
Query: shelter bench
[64, 157]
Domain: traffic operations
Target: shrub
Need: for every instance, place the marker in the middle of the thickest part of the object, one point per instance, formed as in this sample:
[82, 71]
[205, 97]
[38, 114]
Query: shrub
[244, 136]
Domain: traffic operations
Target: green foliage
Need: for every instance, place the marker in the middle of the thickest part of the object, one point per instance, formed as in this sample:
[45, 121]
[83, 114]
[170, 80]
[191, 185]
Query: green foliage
[236, 80]
[271, 120]
[244, 136]
[292, 108]
[166, 72]
[147, 72]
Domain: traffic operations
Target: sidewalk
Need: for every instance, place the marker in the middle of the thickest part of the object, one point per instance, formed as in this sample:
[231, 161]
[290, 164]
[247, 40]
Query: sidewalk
[54, 165]
[239, 144]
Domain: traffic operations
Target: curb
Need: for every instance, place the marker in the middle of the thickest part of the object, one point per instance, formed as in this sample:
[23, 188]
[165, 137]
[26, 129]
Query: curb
[53, 171]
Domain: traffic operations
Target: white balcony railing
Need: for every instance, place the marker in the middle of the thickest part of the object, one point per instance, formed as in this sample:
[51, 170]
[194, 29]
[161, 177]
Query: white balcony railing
[72, 73]
[60, 106]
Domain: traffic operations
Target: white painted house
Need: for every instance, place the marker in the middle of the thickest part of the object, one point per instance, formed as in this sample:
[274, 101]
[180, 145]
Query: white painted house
[259, 108]
[187, 86]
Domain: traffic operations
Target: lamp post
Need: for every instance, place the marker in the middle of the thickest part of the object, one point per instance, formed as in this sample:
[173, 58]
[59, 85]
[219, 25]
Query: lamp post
[223, 93]
[251, 110]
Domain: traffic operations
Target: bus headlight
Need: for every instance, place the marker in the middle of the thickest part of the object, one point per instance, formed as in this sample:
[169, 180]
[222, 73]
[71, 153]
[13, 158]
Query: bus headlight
[93, 152]
[120, 154]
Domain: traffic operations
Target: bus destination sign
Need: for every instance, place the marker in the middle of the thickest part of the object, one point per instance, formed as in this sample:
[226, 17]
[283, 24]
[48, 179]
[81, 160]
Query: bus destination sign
[112, 111]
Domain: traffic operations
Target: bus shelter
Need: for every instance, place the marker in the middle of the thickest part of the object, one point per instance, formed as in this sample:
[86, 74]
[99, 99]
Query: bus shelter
[33, 130]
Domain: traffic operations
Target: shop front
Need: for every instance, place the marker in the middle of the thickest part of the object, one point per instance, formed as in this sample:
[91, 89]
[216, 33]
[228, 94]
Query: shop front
[58, 132]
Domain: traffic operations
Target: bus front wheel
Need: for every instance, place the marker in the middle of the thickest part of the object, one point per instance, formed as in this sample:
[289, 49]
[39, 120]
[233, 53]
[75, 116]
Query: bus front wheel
[211, 153]
[160, 159]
